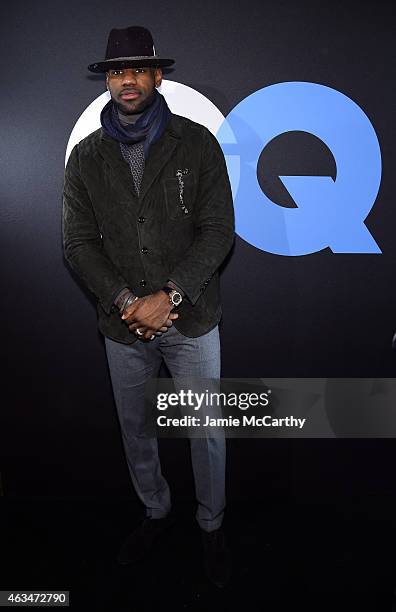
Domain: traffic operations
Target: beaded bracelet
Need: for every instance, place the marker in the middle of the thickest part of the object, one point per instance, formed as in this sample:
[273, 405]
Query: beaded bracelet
[128, 301]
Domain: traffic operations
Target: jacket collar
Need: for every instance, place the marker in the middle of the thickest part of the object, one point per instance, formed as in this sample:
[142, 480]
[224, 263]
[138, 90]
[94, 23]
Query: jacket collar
[159, 154]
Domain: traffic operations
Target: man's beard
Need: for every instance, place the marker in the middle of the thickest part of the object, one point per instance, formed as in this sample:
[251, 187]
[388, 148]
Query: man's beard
[139, 109]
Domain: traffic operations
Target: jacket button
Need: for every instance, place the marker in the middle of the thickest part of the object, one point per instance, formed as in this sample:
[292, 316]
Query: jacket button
[142, 219]
[144, 250]
[143, 283]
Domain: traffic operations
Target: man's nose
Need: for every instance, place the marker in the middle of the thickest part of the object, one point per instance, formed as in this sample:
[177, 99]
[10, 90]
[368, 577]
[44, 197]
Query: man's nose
[128, 76]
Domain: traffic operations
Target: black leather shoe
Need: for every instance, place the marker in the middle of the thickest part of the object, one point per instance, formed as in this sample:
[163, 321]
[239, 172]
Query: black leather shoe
[217, 557]
[141, 541]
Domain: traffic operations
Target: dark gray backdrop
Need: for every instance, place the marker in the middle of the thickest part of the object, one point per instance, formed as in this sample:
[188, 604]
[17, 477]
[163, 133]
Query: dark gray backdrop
[317, 315]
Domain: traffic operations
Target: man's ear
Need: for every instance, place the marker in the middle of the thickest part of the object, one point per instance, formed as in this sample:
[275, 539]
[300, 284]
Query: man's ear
[158, 77]
[107, 80]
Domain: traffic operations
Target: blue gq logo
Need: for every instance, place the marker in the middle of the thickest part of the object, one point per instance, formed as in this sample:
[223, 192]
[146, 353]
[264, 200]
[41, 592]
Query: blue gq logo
[329, 213]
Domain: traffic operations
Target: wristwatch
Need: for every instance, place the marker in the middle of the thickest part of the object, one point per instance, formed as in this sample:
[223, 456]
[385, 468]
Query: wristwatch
[175, 297]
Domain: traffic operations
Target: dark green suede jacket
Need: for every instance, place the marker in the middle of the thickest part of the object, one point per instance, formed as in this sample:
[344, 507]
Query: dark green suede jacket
[114, 239]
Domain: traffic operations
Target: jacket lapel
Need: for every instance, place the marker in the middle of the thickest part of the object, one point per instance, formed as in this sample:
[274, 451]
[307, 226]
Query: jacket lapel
[121, 178]
[159, 154]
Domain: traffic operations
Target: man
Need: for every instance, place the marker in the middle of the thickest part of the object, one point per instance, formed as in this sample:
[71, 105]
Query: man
[147, 221]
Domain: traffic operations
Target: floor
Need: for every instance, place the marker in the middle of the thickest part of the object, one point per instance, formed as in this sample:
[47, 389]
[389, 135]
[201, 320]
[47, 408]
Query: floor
[285, 556]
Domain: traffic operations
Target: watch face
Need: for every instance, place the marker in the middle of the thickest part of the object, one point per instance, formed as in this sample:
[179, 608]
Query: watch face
[176, 298]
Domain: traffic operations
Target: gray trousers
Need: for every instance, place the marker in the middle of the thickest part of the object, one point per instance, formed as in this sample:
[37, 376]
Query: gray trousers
[131, 365]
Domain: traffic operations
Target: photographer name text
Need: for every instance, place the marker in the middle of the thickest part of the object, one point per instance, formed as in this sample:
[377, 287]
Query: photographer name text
[245, 421]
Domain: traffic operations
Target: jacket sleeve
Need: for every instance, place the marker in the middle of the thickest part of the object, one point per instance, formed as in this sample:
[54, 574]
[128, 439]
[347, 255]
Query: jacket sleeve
[213, 220]
[82, 241]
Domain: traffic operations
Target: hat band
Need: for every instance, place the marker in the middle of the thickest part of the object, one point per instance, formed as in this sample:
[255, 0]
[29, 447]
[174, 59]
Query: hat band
[131, 57]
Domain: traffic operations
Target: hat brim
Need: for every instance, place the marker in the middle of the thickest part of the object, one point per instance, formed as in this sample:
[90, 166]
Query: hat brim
[130, 62]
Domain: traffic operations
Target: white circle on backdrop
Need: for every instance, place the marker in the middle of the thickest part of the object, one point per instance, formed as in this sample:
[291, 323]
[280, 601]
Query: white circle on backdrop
[181, 99]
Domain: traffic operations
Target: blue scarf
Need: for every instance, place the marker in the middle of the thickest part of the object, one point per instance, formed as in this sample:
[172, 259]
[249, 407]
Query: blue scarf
[148, 127]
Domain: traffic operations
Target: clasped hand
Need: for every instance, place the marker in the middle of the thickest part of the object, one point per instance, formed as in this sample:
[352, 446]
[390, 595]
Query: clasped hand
[150, 314]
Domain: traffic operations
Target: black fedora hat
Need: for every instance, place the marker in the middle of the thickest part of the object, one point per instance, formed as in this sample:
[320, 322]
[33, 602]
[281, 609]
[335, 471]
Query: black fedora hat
[128, 48]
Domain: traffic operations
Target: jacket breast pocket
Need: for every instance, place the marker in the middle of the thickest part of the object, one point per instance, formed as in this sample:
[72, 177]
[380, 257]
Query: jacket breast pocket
[180, 194]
